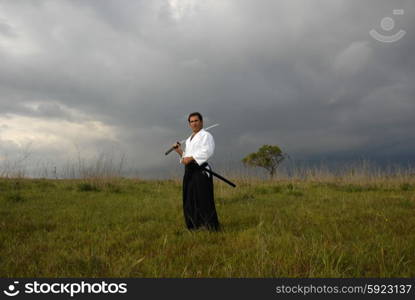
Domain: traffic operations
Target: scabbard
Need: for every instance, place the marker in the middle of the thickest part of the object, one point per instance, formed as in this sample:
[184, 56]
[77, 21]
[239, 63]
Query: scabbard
[218, 176]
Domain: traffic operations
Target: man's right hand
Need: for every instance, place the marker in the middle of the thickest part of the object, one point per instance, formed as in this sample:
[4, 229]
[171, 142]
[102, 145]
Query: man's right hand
[178, 148]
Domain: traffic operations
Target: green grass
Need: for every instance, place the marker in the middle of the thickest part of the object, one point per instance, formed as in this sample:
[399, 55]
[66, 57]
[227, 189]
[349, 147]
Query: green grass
[135, 228]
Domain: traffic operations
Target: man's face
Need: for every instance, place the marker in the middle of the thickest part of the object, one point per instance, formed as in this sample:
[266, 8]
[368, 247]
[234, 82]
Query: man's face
[195, 123]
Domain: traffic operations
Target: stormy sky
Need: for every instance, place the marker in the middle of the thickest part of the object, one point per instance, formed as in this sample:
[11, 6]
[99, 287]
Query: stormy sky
[80, 78]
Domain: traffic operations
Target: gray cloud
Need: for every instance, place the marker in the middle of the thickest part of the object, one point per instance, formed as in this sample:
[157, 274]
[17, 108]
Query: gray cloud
[305, 75]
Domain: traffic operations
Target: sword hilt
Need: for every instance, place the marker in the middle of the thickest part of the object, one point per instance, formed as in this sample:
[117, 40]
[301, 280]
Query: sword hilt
[172, 148]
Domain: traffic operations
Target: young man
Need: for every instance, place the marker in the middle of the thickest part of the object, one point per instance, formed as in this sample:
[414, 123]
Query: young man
[198, 203]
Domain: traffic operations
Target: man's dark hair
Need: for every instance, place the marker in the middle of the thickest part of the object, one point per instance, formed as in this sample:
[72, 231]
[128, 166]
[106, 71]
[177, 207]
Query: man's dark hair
[195, 114]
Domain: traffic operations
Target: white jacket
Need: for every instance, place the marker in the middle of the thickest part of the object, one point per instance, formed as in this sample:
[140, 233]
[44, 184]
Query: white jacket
[201, 147]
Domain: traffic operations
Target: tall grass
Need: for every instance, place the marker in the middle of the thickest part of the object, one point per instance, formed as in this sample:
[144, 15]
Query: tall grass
[309, 223]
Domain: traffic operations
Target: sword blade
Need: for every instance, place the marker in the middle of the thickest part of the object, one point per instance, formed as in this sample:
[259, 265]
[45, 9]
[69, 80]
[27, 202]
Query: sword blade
[182, 141]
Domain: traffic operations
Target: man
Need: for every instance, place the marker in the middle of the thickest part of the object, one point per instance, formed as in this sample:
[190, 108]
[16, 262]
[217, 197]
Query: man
[198, 203]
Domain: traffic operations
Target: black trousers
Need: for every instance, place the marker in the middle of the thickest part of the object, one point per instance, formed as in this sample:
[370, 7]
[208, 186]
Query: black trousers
[198, 202]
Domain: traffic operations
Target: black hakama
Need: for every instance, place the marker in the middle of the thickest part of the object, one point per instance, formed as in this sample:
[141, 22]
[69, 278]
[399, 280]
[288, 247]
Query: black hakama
[198, 203]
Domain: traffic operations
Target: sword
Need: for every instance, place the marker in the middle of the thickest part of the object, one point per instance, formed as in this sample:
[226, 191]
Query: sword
[219, 176]
[181, 142]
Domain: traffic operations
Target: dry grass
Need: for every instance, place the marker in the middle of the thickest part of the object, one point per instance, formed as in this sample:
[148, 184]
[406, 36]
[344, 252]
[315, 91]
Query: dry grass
[312, 224]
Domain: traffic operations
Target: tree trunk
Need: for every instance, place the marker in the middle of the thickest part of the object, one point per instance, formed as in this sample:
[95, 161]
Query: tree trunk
[272, 173]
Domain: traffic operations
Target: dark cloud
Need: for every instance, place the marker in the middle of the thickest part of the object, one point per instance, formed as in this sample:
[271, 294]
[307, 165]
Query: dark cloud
[305, 75]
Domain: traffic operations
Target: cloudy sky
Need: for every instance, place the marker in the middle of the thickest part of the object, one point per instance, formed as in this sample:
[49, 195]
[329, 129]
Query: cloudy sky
[79, 78]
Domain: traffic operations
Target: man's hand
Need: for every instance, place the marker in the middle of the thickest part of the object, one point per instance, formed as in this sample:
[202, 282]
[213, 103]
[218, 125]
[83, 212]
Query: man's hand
[187, 160]
[178, 148]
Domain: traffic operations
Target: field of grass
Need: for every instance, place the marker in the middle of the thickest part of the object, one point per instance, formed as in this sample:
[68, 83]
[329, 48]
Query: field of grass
[118, 227]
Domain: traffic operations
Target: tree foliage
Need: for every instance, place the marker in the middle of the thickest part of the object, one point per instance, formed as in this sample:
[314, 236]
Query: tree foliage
[268, 157]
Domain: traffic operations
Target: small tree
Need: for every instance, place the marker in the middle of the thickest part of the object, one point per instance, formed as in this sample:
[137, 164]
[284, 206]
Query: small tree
[268, 157]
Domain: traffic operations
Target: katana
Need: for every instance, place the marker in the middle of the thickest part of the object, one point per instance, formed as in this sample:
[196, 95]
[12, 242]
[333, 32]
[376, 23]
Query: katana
[218, 176]
[203, 167]
[181, 142]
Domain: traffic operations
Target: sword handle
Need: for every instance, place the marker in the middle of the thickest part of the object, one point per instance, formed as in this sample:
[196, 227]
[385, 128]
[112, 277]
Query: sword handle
[171, 149]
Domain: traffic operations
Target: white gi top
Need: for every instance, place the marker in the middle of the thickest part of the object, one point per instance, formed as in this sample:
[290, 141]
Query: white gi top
[201, 147]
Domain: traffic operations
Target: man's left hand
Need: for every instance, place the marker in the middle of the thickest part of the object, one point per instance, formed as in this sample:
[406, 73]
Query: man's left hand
[187, 160]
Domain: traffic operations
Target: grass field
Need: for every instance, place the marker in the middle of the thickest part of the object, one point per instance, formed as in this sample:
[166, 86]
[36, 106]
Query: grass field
[315, 227]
